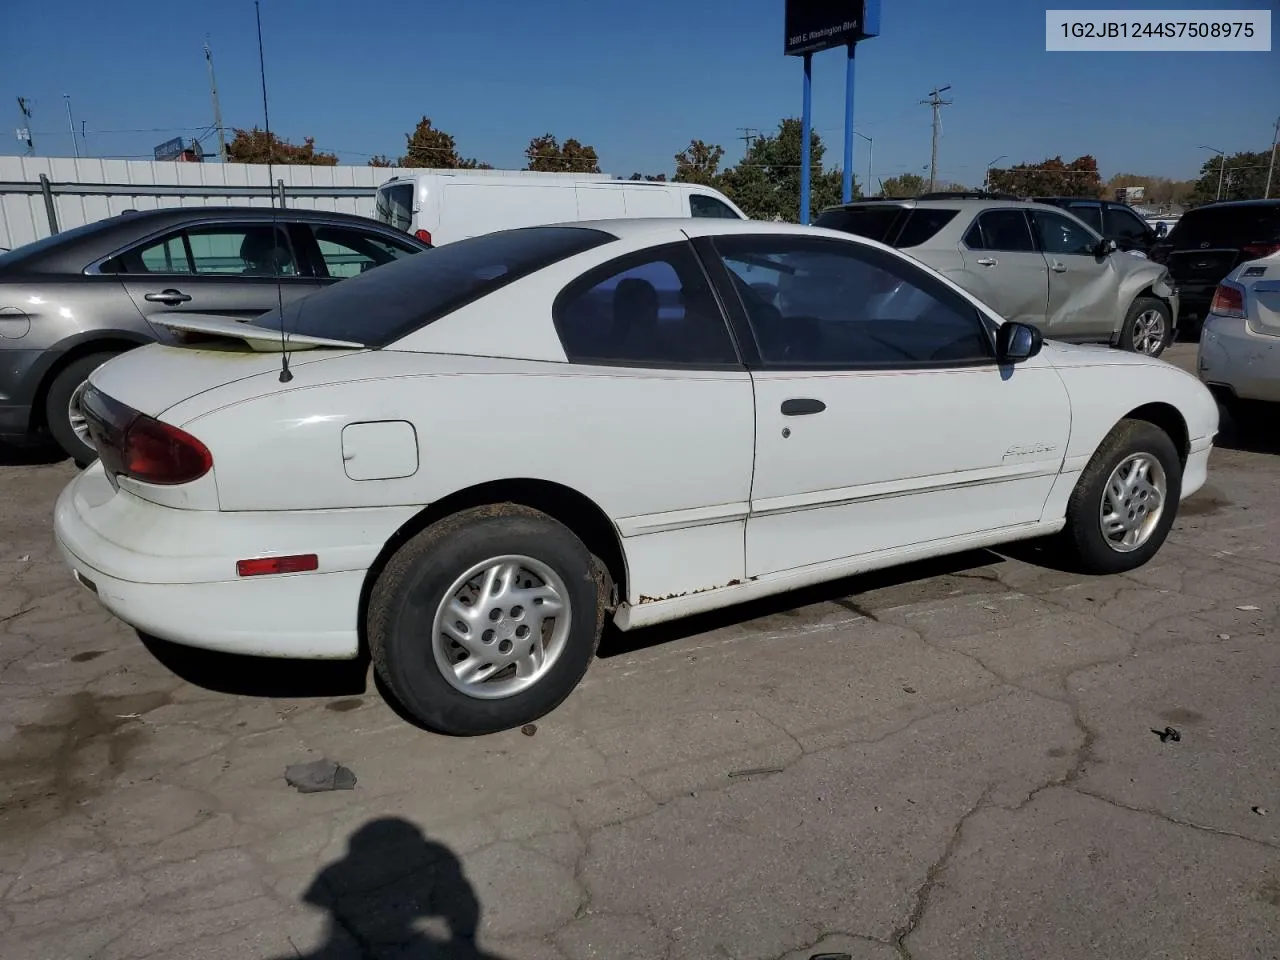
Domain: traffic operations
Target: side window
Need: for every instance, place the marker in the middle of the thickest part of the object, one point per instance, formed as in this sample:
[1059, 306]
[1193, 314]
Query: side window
[702, 205]
[821, 303]
[248, 250]
[1126, 227]
[654, 308]
[1090, 213]
[1059, 235]
[164, 256]
[348, 252]
[1005, 230]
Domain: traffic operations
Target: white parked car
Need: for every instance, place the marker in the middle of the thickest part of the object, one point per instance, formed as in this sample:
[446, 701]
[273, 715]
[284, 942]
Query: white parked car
[1240, 344]
[479, 457]
[443, 207]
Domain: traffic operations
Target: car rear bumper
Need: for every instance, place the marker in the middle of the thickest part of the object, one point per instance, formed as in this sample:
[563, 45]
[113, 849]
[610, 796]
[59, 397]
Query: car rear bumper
[172, 573]
[1235, 361]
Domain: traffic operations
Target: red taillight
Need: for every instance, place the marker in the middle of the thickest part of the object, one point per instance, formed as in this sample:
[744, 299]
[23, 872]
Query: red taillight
[159, 453]
[423, 235]
[1256, 251]
[1228, 301]
[299, 563]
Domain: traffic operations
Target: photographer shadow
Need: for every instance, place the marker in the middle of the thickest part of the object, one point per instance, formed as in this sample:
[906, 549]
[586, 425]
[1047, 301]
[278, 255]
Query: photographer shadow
[395, 894]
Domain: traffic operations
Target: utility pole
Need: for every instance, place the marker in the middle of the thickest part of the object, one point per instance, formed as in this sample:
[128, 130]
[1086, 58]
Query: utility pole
[217, 108]
[1222, 166]
[1272, 166]
[24, 132]
[748, 135]
[937, 103]
[71, 126]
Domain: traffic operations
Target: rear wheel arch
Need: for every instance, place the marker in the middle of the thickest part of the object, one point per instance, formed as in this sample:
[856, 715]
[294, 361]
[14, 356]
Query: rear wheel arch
[69, 354]
[579, 513]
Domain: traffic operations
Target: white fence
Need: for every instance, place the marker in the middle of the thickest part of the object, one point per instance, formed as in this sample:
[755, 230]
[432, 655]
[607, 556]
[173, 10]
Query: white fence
[42, 195]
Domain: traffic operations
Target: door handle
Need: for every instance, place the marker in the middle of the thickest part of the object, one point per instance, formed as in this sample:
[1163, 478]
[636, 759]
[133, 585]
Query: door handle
[1058, 267]
[801, 407]
[168, 296]
[988, 261]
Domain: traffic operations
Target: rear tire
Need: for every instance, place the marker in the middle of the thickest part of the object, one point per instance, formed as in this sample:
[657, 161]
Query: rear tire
[66, 432]
[1148, 327]
[1104, 510]
[473, 588]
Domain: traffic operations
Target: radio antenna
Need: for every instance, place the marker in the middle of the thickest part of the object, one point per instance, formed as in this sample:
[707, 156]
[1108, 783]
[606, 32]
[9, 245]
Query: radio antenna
[285, 374]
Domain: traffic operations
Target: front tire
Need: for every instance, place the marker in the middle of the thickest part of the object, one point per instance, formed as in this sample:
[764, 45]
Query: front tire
[1148, 327]
[1125, 502]
[487, 619]
[66, 423]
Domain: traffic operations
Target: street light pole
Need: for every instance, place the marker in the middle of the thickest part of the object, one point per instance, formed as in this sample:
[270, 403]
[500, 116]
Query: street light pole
[986, 181]
[71, 125]
[871, 156]
[1222, 166]
[936, 102]
[1272, 165]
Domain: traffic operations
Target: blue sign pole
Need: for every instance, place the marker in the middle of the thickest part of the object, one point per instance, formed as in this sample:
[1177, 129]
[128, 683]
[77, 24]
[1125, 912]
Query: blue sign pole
[846, 186]
[806, 125]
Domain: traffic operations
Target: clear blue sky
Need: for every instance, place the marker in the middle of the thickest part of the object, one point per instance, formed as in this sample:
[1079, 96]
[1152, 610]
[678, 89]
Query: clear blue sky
[637, 80]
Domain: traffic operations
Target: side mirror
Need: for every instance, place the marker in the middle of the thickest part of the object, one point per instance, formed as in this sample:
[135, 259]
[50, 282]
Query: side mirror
[1161, 231]
[1106, 248]
[1016, 342]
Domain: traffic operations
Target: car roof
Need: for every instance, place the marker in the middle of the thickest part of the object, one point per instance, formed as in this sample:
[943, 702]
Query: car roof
[963, 203]
[71, 250]
[1220, 204]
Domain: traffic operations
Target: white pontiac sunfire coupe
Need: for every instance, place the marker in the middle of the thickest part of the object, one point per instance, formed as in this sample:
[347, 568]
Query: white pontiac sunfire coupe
[483, 453]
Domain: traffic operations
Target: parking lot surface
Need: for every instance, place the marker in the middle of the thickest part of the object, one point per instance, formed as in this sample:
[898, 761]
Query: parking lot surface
[978, 757]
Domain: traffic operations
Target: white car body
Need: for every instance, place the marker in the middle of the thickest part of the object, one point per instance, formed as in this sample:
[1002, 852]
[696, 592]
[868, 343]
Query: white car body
[1240, 347]
[444, 207]
[713, 496]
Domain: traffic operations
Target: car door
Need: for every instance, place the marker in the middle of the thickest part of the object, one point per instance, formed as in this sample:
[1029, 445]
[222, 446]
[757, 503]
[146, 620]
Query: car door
[667, 415]
[239, 269]
[340, 250]
[1083, 286]
[1009, 273]
[882, 418]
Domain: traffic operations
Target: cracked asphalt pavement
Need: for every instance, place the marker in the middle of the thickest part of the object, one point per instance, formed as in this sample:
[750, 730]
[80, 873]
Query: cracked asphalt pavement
[953, 759]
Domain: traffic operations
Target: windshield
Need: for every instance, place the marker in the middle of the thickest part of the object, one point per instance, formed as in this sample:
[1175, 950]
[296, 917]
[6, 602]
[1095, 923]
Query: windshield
[1227, 226]
[381, 306]
[30, 251]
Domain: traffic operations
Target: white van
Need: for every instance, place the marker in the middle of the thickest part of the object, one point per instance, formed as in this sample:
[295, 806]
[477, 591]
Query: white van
[441, 207]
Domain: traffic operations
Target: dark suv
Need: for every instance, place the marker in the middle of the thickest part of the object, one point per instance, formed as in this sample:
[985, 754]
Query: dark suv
[1207, 243]
[1113, 220]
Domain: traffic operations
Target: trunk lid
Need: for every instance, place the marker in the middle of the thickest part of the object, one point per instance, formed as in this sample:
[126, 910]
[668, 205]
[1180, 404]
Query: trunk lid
[213, 353]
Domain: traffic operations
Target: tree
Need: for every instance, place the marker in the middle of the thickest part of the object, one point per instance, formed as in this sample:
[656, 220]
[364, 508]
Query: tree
[650, 177]
[429, 146]
[256, 146]
[1050, 178]
[548, 154]
[699, 162]
[1244, 178]
[904, 185]
[381, 160]
[766, 182]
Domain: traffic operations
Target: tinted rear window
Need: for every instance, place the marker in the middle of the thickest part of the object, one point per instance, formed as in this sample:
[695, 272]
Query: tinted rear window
[394, 206]
[874, 221]
[1226, 226]
[383, 305]
[923, 224]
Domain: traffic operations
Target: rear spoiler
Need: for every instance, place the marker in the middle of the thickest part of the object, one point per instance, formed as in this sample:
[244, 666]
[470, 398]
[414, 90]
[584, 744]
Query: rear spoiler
[260, 339]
